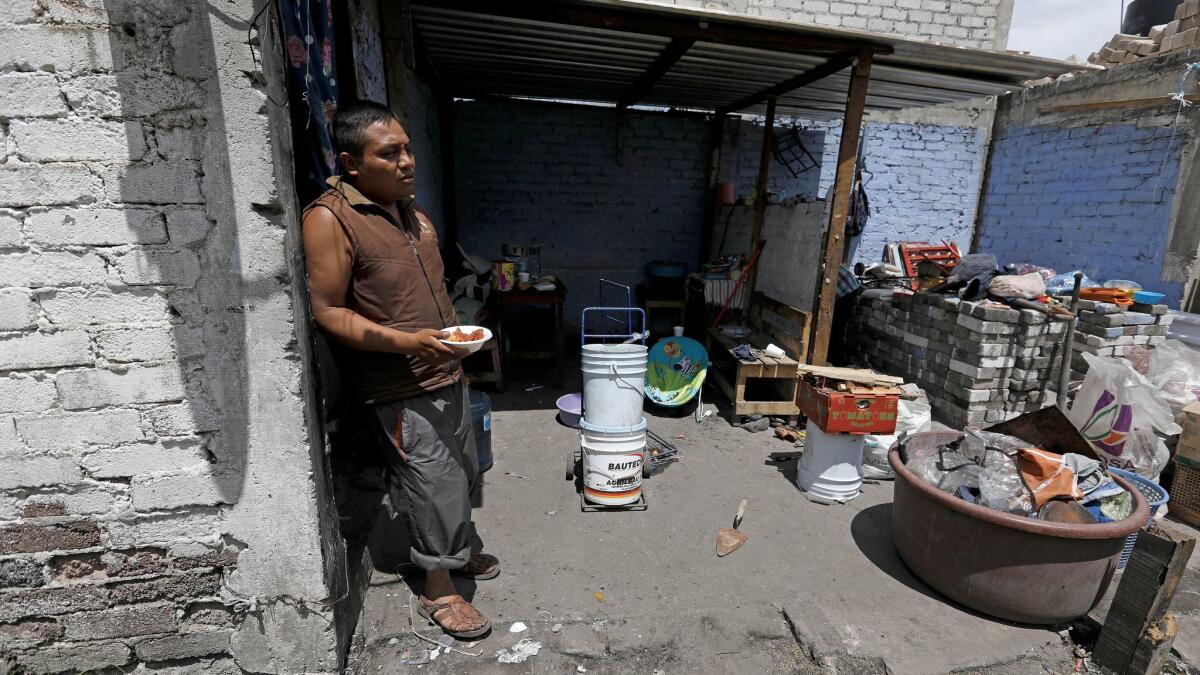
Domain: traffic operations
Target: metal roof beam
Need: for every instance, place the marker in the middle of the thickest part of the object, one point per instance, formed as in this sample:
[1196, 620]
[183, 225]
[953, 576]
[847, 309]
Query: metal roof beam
[654, 72]
[833, 65]
[651, 21]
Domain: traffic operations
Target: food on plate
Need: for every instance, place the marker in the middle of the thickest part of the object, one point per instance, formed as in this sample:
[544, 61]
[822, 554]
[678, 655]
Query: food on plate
[457, 335]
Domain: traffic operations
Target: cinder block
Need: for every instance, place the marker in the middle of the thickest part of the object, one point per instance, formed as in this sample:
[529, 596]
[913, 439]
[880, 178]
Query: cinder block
[36, 270]
[159, 183]
[72, 307]
[78, 140]
[25, 394]
[97, 227]
[45, 350]
[146, 458]
[35, 471]
[1134, 319]
[17, 311]
[193, 488]
[24, 95]
[163, 529]
[136, 384]
[186, 646]
[52, 49]
[46, 185]
[73, 430]
[158, 266]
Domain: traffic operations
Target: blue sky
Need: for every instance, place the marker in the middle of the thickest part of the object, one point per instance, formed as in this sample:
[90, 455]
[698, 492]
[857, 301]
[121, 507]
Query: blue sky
[1060, 28]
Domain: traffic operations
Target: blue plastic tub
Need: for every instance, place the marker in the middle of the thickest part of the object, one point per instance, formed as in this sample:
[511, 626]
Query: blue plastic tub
[1154, 493]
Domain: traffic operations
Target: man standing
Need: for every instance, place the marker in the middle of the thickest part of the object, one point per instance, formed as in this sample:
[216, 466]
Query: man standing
[377, 287]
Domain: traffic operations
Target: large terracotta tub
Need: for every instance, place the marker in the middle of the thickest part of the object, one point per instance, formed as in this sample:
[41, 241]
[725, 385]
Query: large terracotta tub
[1010, 567]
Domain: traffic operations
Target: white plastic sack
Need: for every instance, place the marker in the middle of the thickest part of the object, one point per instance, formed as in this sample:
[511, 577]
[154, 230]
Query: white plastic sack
[1175, 371]
[911, 417]
[1117, 411]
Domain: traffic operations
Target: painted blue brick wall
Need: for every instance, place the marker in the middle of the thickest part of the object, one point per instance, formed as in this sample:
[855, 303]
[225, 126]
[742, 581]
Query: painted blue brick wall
[1084, 198]
[923, 182]
[741, 155]
[602, 205]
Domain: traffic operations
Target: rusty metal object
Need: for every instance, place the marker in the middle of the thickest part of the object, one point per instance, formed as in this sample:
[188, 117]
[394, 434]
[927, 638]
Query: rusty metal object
[1066, 511]
[1013, 568]
[1048, 428]
[729, 539]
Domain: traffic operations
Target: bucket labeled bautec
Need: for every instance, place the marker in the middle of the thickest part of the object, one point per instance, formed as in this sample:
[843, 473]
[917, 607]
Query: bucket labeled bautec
[612, 463]
[614, 382]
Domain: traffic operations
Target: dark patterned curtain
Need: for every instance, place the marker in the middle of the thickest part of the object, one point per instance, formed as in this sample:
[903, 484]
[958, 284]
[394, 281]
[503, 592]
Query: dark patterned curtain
[313, 90]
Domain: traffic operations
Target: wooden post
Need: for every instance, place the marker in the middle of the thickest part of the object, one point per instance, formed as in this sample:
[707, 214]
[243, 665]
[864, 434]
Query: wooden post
[843, 185]
[1138, 629]
[760, 189]
[714, 176]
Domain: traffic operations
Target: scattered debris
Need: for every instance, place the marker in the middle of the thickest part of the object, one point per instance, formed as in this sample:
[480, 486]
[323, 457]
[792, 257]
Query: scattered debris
[393, 641]
[756, 425]
[580, 669]
[599, 596]
[518, 627]
[414, 657]
[787, 433]
[519, 652]
[533, 387]
[551, 513]
[556, 628]
[517, 475]
[447, 641]
[434, 653]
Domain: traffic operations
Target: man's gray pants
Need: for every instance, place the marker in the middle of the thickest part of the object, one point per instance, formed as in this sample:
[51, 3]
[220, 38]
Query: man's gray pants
[432, 472]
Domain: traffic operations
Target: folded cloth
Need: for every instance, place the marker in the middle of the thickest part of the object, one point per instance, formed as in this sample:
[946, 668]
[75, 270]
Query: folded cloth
[745, 352]
[1027, 286]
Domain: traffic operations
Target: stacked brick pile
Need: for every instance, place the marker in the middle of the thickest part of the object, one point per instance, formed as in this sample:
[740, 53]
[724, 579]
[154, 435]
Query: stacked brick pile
[1107, 330]
[979, 364]
[1182, 33]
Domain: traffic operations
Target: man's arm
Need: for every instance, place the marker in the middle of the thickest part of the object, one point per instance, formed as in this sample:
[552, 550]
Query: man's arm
[328, 257]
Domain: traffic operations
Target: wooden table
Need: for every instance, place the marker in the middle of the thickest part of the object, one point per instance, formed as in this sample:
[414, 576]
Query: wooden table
[556, 300]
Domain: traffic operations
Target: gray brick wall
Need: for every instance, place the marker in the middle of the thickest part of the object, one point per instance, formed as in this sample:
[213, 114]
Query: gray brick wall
[981, 24]
[154, 455]
[613, 202]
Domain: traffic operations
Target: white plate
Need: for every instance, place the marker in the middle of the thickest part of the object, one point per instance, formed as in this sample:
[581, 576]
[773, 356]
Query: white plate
[472, 346]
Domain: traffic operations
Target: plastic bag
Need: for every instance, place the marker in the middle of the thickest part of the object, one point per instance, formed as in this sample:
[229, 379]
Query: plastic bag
[1175, 371]
[946, 469]
[1001, 487]
[1117, 411]
[911, 417]
[1064, 284]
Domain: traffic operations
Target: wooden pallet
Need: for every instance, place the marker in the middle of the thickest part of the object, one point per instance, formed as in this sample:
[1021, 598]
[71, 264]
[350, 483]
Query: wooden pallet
[772, 322]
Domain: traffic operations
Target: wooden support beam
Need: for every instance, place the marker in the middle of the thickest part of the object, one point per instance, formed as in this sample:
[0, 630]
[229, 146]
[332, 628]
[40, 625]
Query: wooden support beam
[654, 72]
[659, 21]
[1119, 103]
[760, 189]
[843, 185]
[833, 65]
[1138, 624]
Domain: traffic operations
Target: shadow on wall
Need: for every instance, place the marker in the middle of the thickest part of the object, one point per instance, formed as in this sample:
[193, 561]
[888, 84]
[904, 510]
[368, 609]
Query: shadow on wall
[203, 276]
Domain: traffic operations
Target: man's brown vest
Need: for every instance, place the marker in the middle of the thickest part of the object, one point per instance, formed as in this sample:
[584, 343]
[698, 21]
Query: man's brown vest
[398, 281]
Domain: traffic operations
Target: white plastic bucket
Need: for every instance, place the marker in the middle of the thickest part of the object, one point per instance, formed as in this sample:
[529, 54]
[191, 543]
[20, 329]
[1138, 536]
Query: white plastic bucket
[614, 382]
[612, 463]
[831, 466]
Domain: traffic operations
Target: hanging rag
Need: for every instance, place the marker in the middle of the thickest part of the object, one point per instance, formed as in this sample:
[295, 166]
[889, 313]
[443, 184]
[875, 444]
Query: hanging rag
[1051, 476]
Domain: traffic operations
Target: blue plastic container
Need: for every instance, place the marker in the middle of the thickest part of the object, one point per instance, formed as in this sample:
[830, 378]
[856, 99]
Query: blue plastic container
[481, 422]
[1154, 493]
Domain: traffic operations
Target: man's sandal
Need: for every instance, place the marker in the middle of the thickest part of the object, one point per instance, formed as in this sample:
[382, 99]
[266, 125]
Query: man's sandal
[456, 609]
[480, 567]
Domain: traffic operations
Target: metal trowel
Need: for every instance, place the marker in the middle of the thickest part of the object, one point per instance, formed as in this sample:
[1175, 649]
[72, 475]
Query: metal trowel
[729, 539]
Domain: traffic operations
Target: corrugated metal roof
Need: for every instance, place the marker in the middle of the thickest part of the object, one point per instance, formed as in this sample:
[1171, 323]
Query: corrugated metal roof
[595, 50]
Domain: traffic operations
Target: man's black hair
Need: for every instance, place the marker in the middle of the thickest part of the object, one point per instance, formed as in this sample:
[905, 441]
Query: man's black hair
[350, 124]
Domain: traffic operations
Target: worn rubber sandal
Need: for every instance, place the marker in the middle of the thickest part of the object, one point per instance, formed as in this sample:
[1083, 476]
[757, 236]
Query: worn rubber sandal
[430, 614]
[481, 567]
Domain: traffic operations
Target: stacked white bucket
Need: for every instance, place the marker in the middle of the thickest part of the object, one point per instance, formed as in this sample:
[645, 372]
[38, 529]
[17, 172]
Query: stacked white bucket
[831, 467]
[613, 430]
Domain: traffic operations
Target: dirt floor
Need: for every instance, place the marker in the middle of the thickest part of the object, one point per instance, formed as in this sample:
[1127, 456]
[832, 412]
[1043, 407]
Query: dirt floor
[817, 589]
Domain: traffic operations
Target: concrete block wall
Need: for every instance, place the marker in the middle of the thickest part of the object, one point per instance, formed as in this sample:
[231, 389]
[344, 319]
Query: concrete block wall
[1102, 190]
[981, 24]
[159, 499]
[1106, 329]
[923, 181]
[741, 154]
[602, 202]
[980, 364]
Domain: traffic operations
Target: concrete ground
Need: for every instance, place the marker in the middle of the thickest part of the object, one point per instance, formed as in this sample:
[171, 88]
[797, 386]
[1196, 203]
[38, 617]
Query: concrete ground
[816, 589]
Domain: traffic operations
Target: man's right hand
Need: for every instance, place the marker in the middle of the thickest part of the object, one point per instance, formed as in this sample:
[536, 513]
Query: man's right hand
[427, 345]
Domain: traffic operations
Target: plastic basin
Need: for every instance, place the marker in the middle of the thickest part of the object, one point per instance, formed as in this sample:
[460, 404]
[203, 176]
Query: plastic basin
[1013, 568]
